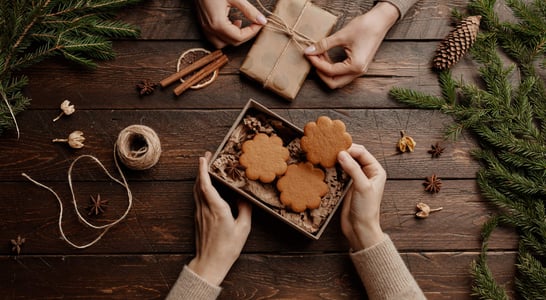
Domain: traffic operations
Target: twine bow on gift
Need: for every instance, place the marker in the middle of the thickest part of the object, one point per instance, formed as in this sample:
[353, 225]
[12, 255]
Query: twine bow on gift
[278, 24]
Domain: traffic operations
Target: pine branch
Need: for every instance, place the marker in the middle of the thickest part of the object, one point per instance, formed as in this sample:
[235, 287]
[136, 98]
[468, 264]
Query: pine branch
[532, 280]
[507, 114]
[416, 99]
[484, 285]
[33, 30]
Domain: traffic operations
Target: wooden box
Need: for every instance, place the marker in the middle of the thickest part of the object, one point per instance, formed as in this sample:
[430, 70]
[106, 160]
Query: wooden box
[225, 167]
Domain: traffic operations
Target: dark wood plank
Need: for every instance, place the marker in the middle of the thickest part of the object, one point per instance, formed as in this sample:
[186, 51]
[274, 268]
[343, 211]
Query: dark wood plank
[187, 134]
[112, 84]
[442, 275]
[161, 220]
[176, 20]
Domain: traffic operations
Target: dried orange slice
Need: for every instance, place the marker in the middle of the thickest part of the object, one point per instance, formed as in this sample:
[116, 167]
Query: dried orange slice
[189, 57]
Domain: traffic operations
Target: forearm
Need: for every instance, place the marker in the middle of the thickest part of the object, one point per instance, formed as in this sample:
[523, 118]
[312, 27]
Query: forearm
[189, 285]
[384, 273]
[402, 5]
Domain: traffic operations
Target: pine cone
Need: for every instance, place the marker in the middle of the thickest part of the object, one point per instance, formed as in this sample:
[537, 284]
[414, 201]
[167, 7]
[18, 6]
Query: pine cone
[457, 42]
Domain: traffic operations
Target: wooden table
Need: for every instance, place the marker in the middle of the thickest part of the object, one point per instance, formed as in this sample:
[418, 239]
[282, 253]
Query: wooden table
[141, 257]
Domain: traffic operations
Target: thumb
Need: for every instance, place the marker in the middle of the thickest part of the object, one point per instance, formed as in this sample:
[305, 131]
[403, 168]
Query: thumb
[245, 213]
[323, 45]
[250, 11]
[349, 165]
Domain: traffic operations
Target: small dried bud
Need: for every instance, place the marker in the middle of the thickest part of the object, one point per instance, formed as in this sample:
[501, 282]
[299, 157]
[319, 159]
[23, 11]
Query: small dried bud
[405, 143]
[74, 140]
[67, 109]
[17, 244]
[423, 210]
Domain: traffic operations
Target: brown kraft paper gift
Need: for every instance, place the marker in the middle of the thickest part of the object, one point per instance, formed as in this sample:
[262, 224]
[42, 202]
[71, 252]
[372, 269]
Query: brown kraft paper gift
[276, 59]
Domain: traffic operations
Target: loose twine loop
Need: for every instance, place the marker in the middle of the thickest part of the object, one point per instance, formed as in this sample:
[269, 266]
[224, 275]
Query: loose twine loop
[139, 158]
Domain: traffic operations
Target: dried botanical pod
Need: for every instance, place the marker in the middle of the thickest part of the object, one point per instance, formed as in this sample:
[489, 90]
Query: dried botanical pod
[423, 210]
[436, 150]
[74, 140]
[17, 244]
[145, 87]
[67, 109]
[432, 184]
[97, 205]
[405, 143]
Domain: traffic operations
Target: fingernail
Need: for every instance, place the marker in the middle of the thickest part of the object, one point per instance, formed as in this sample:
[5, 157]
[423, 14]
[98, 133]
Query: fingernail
[343, 156]
[310, 49]
[261, 20]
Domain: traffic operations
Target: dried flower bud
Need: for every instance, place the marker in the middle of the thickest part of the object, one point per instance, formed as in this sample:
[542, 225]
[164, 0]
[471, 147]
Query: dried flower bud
[405, 143]
[67, 109]
[17, 244]
[423, 210]
[75, 140]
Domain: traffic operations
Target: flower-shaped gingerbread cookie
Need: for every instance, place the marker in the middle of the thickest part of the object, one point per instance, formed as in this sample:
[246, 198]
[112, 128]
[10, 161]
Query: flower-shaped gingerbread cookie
[264, 157]
[323, 140]
[302, 187]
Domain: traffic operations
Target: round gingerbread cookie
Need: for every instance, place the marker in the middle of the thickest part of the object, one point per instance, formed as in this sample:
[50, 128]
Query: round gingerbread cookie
[264, 157]
[323, 140]
[302, 187]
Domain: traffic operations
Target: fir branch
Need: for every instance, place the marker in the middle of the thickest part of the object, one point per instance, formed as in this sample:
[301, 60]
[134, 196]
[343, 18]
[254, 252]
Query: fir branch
[532, 280]
[484, 285]
[416, 99]
[507, 114]
[33, 30]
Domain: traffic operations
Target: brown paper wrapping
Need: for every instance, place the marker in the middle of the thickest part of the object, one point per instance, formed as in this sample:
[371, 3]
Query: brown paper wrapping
[276, 60]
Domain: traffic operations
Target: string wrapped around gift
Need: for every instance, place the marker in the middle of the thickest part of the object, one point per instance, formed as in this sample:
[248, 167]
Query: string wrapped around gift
[278, 24]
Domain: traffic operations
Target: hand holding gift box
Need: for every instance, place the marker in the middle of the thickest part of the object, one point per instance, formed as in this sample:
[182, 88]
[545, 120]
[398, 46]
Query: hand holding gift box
[277, 58]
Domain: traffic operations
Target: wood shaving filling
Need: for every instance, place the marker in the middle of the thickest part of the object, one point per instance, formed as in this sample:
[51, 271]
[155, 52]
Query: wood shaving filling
[227, 167]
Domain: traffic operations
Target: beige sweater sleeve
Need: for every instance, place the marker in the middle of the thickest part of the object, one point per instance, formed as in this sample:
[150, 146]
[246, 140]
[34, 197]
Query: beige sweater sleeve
[190, 286]
[402, 5]
[384, 274]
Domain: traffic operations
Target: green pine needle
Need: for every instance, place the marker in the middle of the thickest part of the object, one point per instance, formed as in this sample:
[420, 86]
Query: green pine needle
[507, 114]
[34, 30]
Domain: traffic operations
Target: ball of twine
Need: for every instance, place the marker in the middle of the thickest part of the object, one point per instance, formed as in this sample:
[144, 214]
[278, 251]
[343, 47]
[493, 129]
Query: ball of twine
[138, 147]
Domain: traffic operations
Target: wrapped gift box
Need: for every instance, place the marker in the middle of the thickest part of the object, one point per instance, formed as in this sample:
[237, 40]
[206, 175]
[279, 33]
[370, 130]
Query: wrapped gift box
[225, 167]
[276, 58]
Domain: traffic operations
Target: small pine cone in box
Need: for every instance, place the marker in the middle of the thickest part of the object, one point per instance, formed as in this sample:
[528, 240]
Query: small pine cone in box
[457, 43]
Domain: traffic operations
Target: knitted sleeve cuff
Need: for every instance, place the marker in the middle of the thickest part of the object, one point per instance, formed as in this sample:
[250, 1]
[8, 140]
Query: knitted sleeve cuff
[189, 285]
[402, 5]
[384, 273]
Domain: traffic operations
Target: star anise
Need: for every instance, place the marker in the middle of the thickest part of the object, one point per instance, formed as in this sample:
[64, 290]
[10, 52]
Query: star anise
[234, 170]
[433, 184]
[97, 206]
[436, 150]
[146, 87]
[17, 244]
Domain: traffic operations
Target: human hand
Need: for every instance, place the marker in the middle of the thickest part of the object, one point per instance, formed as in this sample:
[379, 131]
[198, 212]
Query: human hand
[360, 39]
[360, 211]
[220, 30]
[219, 236]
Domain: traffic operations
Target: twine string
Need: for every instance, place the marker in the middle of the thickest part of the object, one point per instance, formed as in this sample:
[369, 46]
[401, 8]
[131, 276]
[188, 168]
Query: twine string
[106, 227]
[144, 157]
[5, 98]
[138, 147]
[277, 24]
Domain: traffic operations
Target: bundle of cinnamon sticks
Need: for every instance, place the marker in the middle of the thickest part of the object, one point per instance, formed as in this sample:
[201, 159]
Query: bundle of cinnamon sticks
[206, 65]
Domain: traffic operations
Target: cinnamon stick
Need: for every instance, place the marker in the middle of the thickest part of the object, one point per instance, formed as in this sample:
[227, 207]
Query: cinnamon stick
[201, 74]
[192, 67]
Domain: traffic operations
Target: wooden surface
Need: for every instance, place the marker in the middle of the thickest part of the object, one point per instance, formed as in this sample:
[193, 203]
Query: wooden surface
[141, 257]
